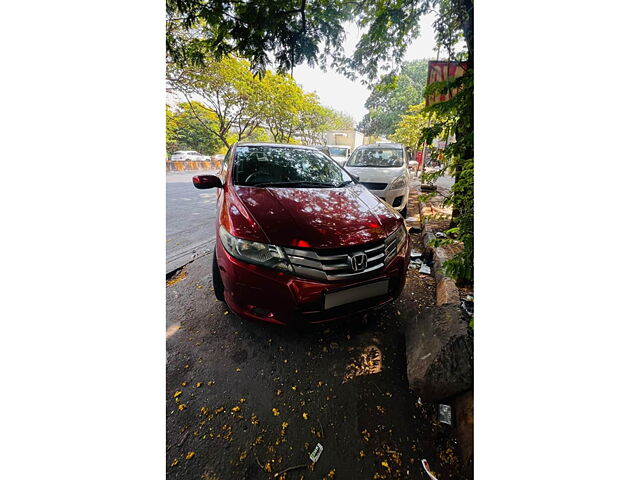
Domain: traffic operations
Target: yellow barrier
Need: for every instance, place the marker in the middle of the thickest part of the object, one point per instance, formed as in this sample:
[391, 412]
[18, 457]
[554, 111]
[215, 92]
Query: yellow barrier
[190, 165]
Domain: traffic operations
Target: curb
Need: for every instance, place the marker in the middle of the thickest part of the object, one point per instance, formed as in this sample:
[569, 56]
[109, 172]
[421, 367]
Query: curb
[446, 290]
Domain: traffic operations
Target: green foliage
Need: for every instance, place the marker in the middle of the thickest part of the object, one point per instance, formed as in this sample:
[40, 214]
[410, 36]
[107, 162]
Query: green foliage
[193, 132]
[232, 104]
[392, 96]
[408, 130]
[227, 90]
[171, 124]
[292, 31]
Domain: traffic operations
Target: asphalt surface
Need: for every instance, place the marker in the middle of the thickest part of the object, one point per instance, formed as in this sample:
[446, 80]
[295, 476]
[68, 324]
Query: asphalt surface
[190, 217]
[246, 400]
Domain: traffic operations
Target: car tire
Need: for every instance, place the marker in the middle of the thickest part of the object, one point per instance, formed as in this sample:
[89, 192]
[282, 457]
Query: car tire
[403, 212]
[218, 286]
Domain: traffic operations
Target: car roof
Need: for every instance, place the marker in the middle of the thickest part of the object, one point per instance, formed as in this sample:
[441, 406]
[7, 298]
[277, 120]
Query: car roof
[381, 145]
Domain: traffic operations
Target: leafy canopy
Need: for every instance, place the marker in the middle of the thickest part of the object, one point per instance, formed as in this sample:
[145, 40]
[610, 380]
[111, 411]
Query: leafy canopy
[232, 104]
[391, 97]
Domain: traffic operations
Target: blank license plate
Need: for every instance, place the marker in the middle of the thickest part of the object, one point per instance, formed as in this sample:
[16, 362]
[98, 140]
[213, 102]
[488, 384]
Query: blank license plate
[350, 295]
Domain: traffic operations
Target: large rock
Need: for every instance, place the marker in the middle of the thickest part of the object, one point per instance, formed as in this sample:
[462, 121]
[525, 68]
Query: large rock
[439, 353]
[447, 292]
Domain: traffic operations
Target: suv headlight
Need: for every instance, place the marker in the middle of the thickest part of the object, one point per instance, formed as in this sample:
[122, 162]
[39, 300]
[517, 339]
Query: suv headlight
[262, 254]
[399, 182]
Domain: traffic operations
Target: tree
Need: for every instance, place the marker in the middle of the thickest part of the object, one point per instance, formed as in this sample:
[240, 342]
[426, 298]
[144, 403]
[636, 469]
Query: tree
[193, 129]
[226, 89]
[284, 100]
[171, 125]
[391, 97]
[316, 119]
[292, 31]
[409, 129]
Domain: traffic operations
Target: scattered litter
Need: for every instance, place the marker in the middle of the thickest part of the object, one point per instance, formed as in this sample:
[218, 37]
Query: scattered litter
[276, 475]
[440, 235]
[427, 187]
[469, 298]
[427, 469]
[415, 263]
[317, 451]
[419, 401]
[467, 306]
[444, 413]
[414, 230]
[416, 254]
[425, 269]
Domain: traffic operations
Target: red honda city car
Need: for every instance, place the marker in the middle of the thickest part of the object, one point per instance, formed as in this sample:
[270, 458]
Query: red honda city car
[299, 240]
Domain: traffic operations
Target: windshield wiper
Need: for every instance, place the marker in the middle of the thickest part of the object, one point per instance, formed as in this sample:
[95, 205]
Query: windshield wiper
[294, 184]
[345, 183]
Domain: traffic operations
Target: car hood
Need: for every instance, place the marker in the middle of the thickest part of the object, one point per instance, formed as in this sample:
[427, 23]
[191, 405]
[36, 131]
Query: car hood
[375, 174]
[319, 217]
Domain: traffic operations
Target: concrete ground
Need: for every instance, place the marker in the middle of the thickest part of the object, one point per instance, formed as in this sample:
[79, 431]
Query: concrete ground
[246, 400]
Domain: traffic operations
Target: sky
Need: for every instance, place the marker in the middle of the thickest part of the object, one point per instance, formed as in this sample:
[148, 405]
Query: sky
[339, 93]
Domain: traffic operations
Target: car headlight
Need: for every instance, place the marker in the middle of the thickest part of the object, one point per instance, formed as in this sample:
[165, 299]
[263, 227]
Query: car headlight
[399, 182]
[402, 235]
[262, 254]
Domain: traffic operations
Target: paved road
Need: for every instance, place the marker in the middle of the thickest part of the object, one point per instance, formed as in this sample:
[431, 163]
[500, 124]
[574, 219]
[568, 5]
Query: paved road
[246, 399]
[190, 216]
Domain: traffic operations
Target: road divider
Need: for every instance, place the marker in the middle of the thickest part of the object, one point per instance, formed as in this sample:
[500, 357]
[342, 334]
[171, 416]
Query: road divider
[187, 166]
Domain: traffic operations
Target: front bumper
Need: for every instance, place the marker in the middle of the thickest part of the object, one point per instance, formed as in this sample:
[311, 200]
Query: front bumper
[263, 294]
[399, 196]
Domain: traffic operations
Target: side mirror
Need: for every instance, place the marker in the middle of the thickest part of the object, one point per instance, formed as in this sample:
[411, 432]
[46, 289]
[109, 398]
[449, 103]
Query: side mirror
[356, 177]
[206, 181]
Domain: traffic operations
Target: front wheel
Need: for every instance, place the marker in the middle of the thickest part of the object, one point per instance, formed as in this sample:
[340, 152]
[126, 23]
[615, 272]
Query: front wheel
[218, 287]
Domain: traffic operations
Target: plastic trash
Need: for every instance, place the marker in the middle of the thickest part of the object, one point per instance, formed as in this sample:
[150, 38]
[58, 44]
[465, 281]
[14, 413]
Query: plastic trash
[444, 413]
[467, 306]
[425, 269]
[440, 235]
[427, 469]
[416, 254]
[415, 263]
[315, 454]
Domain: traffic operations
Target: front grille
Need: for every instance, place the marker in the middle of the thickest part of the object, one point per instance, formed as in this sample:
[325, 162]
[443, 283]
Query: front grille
[334, 265]
[374, 186]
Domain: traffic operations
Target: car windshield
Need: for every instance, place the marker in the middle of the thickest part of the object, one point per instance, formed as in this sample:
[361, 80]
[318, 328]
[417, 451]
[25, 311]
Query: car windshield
[267, 166]
[340, 152]
[376, 157]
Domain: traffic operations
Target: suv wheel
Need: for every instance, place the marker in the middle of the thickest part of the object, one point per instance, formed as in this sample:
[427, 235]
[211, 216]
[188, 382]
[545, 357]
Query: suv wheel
[218, 287]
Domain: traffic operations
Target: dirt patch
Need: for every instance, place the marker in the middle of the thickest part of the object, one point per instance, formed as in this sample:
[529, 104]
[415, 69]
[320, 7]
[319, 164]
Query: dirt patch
[176, 276]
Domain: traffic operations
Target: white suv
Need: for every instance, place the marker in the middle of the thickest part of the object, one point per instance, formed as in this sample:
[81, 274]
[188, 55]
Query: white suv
[382, 168]
[189, 156]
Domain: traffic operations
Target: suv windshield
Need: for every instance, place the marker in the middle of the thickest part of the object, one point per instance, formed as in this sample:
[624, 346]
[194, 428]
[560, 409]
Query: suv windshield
[337, 151]
[376, 157]
[266, 166]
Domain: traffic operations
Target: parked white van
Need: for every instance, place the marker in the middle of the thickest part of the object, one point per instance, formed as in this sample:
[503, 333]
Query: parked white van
[382, 168]
[340, 153]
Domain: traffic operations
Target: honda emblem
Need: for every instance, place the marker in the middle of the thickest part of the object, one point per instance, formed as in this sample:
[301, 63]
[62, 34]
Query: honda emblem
[358, 262]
